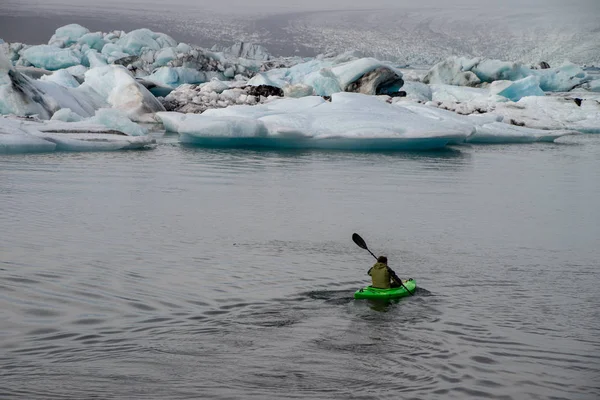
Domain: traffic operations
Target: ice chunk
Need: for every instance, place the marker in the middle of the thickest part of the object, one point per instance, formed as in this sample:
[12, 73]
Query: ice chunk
[496, 70]
[458, 94]
[350, 121]
[117, 120]
[514, 91]
[163, 56]
[498, 132]
[114, 86]
[95, 59]
[456, 71]
[365, 75]
[51, 57]
[561, 79]
[593, 86]
[246, 50]
[215, 85]
[134, 42]
[96, 141]
[453, 71]
[14, 138]
[94, 41]
[67, 35]
[552, 113]
[62, 78]
[113, 52]
[78, 72]
[417, 91]
[298, 90]
[176, 76]
[66, 115]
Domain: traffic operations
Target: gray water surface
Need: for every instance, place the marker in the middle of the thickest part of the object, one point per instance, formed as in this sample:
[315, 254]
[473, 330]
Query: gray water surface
[183, 273]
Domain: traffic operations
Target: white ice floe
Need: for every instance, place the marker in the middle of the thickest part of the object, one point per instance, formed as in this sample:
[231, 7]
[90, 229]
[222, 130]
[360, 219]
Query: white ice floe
[489, 128]
[499, 132]
[350, 121]
[17, 136]
[552, 113]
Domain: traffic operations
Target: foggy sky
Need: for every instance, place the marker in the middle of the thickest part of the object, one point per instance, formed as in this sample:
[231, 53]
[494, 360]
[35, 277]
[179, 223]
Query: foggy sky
[283, 6]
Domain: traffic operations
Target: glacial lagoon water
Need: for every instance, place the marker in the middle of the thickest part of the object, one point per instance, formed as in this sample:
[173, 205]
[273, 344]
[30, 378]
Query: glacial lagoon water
[187, 273]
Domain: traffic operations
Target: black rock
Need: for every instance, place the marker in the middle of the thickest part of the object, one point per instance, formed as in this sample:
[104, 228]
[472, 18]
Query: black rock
[263, 90]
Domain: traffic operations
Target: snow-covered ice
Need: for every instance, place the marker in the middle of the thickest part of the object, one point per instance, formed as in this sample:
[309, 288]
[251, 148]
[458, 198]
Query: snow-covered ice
[349, 121]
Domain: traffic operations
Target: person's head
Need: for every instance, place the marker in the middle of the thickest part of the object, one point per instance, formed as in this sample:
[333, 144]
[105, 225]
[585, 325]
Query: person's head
[382, 259]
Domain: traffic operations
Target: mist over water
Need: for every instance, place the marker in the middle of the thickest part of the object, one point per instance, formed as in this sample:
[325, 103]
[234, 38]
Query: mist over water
[188, 273]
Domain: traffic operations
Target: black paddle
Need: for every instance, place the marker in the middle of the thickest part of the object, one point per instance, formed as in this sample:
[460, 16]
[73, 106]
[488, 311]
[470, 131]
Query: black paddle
[360, 242]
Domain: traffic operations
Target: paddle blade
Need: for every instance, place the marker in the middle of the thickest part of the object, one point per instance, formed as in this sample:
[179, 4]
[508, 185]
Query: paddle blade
[359, 241]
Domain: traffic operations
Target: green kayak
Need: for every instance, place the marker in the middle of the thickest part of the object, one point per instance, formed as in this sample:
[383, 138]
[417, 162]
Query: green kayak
[386, 294]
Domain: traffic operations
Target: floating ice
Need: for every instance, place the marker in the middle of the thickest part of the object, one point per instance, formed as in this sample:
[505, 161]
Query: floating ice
[489, 128]
[118, 120]
[31, 137]
[552, 113]
[349, 121]
[498, 132]
[14, 138]
[516, 90]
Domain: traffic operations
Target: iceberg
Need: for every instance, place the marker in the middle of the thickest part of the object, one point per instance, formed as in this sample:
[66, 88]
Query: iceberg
[349, 122]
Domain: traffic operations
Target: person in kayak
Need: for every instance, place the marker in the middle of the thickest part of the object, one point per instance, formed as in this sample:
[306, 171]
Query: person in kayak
[382, 276]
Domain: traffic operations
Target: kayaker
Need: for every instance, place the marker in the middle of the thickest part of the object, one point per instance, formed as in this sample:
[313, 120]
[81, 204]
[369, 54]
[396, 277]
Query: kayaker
[382, 276]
